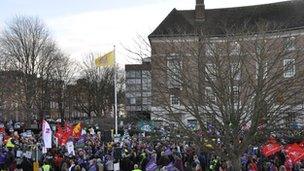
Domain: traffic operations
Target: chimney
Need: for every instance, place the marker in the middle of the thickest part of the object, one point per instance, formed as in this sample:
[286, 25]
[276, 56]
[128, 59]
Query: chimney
[200, 10]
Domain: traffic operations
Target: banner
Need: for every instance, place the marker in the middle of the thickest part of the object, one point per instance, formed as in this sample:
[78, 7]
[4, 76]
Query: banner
[270, 148]
[294, 152]
[70, 148]
[46, 134]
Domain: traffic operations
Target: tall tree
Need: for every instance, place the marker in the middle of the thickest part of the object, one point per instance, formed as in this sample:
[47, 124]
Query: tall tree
[96, 89]
[237, 88]
[64, 73]
[28, 47]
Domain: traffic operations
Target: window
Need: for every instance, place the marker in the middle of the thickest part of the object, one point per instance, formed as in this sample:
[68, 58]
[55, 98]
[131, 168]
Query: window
[130, 74]
[192, 124]
[236, 93]
[290, 43]
[174, 100]
[146, 94]
[146, 74]
[263, 70]
[235, 48]
[210, 47]
[133, 81]
[145, 101]
[137, 74]
[236, 71]
[146, 84]
[210, 72]
[134, 87]
[210, 94]
[54, 105]
[132, 100]
[174, 73]
[289, 68]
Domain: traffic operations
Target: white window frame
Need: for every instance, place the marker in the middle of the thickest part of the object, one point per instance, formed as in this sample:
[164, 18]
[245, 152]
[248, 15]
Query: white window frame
[290, 43]
[174, 73]
[234, 68]
[210, 94]
[236, 99]
[265, 70]
[210, 71]
[235, 48]
[192, 122]
[209, 48]
[132, 101]
[291, 70]
[173, 98]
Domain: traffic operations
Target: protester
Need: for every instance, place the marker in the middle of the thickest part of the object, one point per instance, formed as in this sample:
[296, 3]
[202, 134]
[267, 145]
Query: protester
[87, 152]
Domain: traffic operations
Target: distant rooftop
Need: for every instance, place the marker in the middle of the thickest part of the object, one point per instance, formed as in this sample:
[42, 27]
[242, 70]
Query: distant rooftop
[284, 15]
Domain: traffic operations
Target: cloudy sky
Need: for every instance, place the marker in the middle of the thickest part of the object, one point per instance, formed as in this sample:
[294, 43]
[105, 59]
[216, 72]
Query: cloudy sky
[84, 26]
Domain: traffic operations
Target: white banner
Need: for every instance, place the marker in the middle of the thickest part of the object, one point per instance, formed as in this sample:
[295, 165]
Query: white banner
[70, 148]
[1, 139]
[46, 134]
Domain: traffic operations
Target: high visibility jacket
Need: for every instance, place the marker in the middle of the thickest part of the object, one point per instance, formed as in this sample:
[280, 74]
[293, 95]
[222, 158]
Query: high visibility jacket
[9, 143]
[46, 167]
[136, 170]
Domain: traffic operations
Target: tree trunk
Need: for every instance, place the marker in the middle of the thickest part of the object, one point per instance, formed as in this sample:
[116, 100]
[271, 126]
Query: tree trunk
[236, 163]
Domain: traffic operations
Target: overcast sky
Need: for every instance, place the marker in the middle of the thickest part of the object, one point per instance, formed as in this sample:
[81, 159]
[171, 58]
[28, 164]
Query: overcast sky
[84, 26]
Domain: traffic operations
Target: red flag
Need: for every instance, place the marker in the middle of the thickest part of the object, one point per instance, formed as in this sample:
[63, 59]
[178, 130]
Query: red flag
[63, 134]
[68, 129]
[294, 152]
[270, 148]
[64, 138]
[59, 131]
[301, 144]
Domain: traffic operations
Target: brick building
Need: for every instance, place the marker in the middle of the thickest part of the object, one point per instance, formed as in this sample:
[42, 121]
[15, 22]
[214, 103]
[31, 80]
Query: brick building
[11, 95]
[183, 32]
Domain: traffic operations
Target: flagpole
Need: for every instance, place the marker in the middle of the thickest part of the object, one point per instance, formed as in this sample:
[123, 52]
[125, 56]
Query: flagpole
[115, 94]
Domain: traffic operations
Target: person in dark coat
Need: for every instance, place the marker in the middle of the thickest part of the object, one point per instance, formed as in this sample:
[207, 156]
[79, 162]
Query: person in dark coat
[26, 164]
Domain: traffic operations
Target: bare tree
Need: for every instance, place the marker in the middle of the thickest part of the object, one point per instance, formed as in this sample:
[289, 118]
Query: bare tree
[52, 99]
[96, 89]
[238, 88]
[27, 46]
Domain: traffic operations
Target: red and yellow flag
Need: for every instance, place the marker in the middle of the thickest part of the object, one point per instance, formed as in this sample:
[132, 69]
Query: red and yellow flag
[77, 130]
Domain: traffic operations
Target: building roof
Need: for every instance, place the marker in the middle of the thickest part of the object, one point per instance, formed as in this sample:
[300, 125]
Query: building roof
[282, 15]
[138, 67]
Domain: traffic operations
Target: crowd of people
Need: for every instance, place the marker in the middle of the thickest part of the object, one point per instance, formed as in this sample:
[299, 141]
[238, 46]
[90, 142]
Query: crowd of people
[133, 153]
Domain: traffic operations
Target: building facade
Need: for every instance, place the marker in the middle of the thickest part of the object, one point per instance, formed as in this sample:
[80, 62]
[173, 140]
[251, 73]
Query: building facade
[222, 34]
[138, 90]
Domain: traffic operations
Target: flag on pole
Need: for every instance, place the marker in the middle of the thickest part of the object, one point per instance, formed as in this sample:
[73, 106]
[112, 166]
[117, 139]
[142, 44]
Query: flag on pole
[77, 130]
[46, 134]
[107, 60]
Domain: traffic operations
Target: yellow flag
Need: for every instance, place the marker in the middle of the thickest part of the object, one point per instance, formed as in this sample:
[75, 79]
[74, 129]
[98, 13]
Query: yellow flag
[107, 60]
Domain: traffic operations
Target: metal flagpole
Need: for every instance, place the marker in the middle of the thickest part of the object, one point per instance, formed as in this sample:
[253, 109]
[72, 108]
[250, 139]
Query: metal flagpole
[115, 95]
